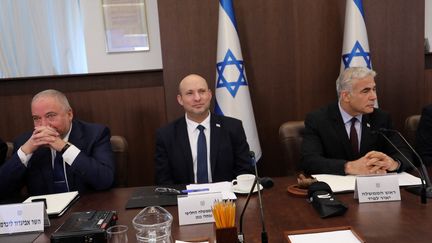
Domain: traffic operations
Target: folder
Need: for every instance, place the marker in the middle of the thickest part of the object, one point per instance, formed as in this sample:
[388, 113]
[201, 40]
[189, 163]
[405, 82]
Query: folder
[147, 196]
[57, 203]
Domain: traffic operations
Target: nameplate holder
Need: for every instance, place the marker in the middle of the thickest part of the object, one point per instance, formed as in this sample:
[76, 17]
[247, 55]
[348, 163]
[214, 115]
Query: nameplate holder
[197, 208]
[22, 217]
[377, 188]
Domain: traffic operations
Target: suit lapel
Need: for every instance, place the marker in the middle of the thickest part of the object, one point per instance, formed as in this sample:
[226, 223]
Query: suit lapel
[339, 128]
[366, 138]
[215, 130]
[76, 137]
[183, 139]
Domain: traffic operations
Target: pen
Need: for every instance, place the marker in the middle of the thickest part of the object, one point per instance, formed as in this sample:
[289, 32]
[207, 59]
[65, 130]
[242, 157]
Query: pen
[195, 190]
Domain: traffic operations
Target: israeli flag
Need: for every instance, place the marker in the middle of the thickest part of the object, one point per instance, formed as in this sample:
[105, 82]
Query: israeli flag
[232, 90]
[355, 51]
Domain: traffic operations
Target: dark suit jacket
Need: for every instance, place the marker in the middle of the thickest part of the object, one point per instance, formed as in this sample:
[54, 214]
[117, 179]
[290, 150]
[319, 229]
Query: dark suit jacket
[92, 169]
[229, 151]
[3, 151]
[423, 142]
[326, 146]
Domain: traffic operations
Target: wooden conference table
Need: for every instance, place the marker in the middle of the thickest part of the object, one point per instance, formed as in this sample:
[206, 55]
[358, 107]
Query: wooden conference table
[403, 221]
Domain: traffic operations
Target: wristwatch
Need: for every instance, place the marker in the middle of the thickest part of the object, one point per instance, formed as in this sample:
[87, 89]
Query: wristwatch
[67, 145]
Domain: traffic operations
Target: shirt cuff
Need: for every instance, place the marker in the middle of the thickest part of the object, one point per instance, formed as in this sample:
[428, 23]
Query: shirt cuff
[24, 157]
[70, 154]
[398, 167]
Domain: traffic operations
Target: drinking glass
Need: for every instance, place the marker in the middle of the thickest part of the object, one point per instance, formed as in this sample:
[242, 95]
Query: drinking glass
[117, 234]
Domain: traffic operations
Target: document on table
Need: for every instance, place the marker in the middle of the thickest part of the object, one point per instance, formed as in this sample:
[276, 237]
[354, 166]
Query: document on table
[224, 187]
[340, 236]
[339, 183]
[179, 241]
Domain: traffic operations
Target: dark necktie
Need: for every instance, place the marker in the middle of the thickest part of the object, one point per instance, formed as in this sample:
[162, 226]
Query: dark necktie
[58, 175]
[353, 136]
[202, 174]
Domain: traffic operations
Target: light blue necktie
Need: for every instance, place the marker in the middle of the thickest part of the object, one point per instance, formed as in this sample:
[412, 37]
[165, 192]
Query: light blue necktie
[202, 174]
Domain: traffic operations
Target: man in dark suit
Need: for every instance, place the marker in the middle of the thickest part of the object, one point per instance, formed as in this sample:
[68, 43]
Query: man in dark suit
[177, 158]
[61, 154]
[423, 142]
[339, 138]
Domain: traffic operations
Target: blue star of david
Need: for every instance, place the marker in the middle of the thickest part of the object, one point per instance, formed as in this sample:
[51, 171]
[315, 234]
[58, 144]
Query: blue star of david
[357, 51]
[221, 81]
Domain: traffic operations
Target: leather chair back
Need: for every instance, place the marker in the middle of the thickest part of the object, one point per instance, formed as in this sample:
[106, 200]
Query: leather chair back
[410, 128]
[291, 137]
[9, 150]
[120, 148]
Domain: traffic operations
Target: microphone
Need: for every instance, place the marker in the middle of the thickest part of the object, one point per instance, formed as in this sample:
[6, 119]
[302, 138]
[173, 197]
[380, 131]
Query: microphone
[422, 192]
[422, 172]
[266, 182]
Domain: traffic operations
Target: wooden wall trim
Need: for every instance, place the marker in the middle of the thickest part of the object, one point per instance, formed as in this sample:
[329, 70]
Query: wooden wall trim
[82, 82]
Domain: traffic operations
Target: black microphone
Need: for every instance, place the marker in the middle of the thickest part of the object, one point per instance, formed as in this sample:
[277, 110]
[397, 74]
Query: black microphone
[423, 171]
[266, 183]
[423, 186]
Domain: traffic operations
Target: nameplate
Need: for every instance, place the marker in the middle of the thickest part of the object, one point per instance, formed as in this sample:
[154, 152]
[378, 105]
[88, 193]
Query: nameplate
[196, 208]
[377, 188]
[21, 217]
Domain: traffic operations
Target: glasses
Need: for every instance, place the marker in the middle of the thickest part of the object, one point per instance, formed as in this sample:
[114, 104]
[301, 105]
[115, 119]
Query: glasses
[167, 191]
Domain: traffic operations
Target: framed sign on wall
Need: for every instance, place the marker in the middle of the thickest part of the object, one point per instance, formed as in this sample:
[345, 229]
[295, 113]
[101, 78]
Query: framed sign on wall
[125, 25]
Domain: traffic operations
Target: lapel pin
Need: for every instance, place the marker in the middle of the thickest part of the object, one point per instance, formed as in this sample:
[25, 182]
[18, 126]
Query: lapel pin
[218, 125]
[368, 125]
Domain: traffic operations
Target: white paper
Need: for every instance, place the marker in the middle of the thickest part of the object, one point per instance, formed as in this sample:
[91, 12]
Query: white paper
[377, 188]
[339, 183]
[57, 202]
[21, 217]
[196, 208]
[179, 241]
[339, 236]
[225, 188]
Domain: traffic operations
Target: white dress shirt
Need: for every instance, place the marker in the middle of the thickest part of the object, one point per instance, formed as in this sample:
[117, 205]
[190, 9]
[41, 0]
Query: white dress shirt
[68, 156]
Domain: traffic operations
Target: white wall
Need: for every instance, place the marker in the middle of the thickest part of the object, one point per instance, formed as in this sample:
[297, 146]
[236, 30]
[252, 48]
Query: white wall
[99, 60]
[428, 22]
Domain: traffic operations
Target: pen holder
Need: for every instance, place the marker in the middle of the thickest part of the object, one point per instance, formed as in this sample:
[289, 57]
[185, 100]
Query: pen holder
[227, 235]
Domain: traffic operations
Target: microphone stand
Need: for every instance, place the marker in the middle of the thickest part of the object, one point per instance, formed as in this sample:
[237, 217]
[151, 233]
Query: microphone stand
[422, 172]
[240, 234]
[264, 237]
[423, 185]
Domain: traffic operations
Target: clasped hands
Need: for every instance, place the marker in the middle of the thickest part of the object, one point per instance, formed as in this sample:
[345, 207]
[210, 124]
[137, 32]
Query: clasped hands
[373, 162]
[43, 136]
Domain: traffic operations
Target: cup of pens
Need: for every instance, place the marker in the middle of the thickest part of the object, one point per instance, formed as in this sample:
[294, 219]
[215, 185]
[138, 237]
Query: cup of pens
[224, 215]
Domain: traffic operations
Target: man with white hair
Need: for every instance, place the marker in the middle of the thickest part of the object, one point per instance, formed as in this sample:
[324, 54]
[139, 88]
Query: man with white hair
[340, 138]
